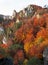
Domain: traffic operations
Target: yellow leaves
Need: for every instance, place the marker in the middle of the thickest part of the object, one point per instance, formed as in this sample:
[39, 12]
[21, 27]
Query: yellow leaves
[23, 36]
[38, 40]
[27, 46]
[36, 47]
[25, 62]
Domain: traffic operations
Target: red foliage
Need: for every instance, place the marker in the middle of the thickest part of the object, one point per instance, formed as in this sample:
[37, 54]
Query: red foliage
[4, 46]
[34, 51]
[35, 21]
[25, 32]
[19, 56]
[19, 36]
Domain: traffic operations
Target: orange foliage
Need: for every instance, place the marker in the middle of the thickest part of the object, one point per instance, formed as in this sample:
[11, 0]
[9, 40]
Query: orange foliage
[43, 33]
[34, 44]
[29, 38]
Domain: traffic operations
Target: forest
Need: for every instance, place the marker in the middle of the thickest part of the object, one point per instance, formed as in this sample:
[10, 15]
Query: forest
[24, 36]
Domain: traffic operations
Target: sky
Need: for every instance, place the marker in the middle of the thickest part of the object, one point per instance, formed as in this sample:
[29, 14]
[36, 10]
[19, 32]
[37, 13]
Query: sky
[7, 6]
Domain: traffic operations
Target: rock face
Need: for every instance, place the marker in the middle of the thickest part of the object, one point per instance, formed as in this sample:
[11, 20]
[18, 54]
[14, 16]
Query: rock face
[29, 11]
[45, 56]
[45, 53]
